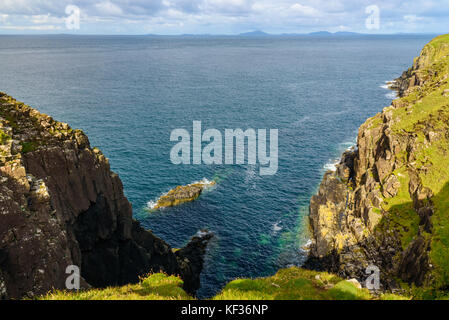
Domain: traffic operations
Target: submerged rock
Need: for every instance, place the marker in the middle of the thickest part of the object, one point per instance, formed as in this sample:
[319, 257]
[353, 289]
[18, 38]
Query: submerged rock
[182, 194]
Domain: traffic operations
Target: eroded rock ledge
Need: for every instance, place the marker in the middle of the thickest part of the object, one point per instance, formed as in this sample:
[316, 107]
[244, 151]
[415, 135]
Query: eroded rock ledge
[182, 194]
[61, 205]
[379, 206]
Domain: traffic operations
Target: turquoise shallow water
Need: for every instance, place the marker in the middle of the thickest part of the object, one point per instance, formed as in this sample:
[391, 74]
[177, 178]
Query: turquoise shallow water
[128, 93]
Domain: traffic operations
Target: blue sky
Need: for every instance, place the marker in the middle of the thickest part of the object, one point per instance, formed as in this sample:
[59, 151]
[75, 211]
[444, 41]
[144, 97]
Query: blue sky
[221, 16]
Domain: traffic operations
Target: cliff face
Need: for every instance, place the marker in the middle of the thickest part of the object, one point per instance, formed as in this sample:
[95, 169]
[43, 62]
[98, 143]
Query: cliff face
[386, 204]
[61, 205]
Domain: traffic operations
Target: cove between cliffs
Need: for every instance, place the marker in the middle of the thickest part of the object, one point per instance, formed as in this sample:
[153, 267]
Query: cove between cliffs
[99, 203]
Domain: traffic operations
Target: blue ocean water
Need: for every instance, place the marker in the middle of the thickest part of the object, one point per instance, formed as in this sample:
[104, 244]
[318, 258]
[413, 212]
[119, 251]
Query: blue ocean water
[129, 93]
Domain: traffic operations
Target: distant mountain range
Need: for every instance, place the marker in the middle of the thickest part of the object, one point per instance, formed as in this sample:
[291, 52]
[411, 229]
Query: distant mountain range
[256, 33]
[339, 33]
[259, 33]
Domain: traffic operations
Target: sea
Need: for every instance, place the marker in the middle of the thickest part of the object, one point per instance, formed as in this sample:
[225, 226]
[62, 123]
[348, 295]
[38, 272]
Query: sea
[128, 93]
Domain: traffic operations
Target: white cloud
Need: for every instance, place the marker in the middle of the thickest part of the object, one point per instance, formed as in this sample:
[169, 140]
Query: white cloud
[304, 10]
[227, 16]
[108, 8]
[32, 28]
[412, 18]
[44, 19]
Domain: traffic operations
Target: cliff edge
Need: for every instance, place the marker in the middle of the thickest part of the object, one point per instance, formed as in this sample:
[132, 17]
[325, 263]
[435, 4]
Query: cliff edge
[386, 204]
[61, 205]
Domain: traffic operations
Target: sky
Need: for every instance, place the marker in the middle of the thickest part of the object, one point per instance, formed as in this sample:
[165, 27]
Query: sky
[172, 17]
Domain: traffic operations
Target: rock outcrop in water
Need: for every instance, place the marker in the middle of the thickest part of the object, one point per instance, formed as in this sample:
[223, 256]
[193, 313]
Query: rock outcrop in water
[182, 194]
[61, 205]
[386, 204]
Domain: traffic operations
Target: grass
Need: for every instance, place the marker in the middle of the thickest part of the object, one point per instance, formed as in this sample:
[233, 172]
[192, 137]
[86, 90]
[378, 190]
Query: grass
[293, 284]
[4, 138]
[287, 284]
[425, 109]
[420, 112]
[156, 286]
[401, 215]
[439, 253]
[10, 119]
[440, 45]
[28, 146]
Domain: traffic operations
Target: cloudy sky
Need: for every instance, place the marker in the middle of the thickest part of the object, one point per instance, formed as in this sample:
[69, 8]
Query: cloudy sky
[220, 16]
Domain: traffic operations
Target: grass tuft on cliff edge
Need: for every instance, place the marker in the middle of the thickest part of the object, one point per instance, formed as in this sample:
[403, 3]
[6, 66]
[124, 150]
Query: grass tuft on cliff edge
[287, 284]
[293, 284]
[156, 286]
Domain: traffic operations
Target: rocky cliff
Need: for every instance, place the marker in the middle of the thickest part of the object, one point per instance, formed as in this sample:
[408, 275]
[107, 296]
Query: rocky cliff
[61, 205]
[386, 204]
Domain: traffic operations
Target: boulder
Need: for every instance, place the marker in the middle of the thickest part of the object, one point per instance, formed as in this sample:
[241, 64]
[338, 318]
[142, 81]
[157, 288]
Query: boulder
[355, 282]
[391, 186]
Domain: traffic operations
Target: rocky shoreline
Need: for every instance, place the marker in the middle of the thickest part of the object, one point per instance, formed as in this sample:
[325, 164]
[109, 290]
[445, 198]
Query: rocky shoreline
[377, 208]
[61, 205]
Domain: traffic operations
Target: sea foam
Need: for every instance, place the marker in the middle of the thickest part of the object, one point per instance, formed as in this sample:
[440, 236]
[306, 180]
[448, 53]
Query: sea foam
[387, 86]
[331, 165]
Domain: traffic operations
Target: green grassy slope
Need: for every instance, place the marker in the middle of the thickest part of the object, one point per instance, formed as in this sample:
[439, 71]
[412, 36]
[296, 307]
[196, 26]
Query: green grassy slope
[156, 286]
[287, 284]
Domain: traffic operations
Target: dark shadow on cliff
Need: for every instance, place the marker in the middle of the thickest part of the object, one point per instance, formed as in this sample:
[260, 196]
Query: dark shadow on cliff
[93, 239]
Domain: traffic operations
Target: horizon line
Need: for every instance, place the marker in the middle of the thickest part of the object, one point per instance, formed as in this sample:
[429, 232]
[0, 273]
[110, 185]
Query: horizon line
[256, 33]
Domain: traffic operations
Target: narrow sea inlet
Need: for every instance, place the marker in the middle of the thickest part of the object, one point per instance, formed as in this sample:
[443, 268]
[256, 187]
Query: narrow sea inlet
[129, 92]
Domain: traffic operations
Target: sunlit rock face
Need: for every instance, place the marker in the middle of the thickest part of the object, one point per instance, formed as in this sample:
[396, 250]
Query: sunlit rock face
[384, 205]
